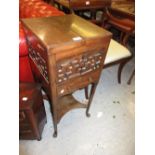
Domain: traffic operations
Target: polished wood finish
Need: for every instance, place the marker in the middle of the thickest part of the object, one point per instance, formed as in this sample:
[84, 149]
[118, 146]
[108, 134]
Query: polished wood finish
[121, 15]
[79, 7]
[67, 53]
[32, 116]
[83, 4]
[124, 9]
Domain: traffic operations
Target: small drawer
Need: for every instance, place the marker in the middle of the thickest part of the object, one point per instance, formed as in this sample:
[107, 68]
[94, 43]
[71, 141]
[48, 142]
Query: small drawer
[77, 83]
[77, 66]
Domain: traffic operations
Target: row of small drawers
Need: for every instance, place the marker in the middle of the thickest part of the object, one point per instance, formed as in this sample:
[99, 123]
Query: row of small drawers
[78, 66]
[77, 83]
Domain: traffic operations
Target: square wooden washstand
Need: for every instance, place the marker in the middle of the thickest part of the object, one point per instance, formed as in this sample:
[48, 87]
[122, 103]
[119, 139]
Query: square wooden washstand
[67, 53]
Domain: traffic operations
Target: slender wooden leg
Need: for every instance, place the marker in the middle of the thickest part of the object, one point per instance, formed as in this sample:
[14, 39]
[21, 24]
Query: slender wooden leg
[86, 92]
[32, 120]
[55, 123]
[125, 39]
[121, 37]
[55, 130]
[55, 119]
[129, 81]
[54, 114]
[120, 70]
[90, 98]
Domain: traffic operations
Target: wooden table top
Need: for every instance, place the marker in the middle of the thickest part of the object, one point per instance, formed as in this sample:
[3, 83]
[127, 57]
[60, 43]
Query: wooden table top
[64, 30]
[126, 7]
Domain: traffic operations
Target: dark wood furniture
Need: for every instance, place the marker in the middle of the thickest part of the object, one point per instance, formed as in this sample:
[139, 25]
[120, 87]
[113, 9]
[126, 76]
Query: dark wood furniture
[83, 7]
[67, 53]
[131, 77]
[117, 54]
[32, 116]
[124, 8]
[121, 15]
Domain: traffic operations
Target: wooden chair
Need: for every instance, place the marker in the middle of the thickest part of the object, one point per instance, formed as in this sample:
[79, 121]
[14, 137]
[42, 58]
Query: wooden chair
[131, 77]
[125, 23]
[83, 8]
[116, 54]
[122, 23]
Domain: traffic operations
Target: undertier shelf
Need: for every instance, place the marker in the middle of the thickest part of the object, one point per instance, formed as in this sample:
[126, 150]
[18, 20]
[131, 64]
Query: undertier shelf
[67, 103]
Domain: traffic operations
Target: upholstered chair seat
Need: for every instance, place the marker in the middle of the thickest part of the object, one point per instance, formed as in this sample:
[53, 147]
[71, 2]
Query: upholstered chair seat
[116, 52]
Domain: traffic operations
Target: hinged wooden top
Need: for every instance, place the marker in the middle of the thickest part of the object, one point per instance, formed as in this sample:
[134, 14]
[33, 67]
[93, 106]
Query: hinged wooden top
[64, 30]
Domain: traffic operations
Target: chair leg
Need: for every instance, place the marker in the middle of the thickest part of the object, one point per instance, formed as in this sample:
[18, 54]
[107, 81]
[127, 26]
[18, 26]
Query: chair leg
[125, 39]
[86, 92]
[120, 68]
[121, 37]
[129, 81]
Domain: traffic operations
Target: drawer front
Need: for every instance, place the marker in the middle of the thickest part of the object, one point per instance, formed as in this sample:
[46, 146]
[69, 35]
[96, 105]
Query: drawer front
[77, 83]
[80, 65]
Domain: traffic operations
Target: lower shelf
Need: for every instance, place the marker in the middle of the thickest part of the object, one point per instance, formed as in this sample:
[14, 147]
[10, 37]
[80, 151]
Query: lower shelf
[67, 103]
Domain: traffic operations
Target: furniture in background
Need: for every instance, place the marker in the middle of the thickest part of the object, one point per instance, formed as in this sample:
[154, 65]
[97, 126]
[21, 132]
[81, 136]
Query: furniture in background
[87, 9]
[68, 62]
[131, 77]
[121, 15]
[117, 54]
[124, 8]
[32, 116]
